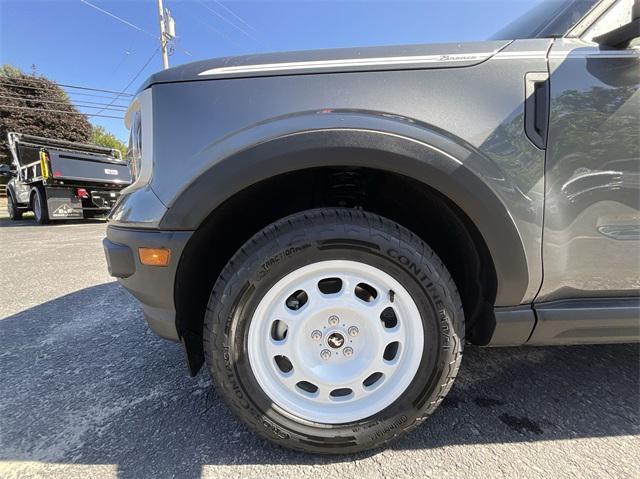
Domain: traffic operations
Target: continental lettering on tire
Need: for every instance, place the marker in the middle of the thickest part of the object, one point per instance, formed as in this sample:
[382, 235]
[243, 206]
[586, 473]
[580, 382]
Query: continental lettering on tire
[275, 430]
[407, 263]
[443, 315]
[445, 327]
[231, 377]
[390, 427]
[244, 403]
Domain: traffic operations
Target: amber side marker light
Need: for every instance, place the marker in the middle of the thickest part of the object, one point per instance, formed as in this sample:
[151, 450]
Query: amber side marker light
[154, 256]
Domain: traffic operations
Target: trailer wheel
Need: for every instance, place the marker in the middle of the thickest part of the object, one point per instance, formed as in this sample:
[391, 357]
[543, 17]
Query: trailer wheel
[14, 211]
[39, 205]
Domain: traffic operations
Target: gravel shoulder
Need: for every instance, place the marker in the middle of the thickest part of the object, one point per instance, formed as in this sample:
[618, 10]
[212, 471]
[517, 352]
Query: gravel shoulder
[3, 206]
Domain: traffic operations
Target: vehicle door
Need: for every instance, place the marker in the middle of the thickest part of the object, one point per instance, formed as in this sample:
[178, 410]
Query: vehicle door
[591, 237]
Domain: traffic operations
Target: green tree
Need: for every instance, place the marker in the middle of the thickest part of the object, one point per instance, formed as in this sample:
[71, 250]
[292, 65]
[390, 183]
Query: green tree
[100, 136]
[35, 105]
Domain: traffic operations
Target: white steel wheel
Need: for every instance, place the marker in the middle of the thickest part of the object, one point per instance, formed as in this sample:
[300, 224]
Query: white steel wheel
[335, 341]
[333, 330]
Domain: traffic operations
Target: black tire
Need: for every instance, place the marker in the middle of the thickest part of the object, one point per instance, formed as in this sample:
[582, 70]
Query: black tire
[310, 237]
[14, 212]
[91, 215]
[39, 205]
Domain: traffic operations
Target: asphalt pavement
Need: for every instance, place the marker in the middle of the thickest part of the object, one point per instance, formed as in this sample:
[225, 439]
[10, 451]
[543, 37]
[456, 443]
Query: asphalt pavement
[86, 390]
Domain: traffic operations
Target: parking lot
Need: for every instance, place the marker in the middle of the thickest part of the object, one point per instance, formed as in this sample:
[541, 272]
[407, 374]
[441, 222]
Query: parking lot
[86, 390]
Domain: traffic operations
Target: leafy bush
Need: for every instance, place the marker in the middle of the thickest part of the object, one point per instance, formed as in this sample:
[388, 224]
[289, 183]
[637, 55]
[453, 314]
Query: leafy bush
[100, 136]
[51, 114]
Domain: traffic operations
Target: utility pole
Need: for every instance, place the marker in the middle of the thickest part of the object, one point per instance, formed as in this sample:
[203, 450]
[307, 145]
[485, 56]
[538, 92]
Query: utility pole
[167, 32]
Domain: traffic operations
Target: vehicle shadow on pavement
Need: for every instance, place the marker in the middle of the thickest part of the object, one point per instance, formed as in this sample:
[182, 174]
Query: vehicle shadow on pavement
[83, 381]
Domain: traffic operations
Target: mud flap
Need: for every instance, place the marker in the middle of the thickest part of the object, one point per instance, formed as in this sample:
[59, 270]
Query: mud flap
[63, 204]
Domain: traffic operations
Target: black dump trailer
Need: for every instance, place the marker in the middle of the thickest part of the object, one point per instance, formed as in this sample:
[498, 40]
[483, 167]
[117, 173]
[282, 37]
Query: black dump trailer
[61, 180]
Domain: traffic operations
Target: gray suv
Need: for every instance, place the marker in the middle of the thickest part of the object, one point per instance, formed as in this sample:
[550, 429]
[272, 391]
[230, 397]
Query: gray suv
[327, 229]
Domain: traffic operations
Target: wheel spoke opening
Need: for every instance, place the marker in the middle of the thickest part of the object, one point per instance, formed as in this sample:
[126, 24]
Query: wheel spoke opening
[374, 380]
[283, 363]
[279, 330]
[330, 285]
[365, 292]
[297, 300]
[341, 393]
[389, 318]
[307, 388]
[391, 351]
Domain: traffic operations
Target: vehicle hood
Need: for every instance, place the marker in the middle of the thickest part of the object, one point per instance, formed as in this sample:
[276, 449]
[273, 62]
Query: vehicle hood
[401, 57]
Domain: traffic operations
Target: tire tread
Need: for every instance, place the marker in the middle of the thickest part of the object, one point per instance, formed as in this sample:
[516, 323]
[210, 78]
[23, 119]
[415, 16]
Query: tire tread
[214, 346]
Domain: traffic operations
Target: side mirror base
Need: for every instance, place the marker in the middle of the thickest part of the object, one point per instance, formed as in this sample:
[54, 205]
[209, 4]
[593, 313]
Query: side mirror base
[621, 37]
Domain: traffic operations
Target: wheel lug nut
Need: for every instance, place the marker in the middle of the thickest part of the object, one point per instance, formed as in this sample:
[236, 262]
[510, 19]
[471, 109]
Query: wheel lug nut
[334, 320]
[353, 331]
[316, 335]
[325, 354]
[348, 352]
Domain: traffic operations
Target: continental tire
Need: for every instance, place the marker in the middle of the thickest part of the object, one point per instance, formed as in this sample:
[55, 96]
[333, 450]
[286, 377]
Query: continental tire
[334, 331]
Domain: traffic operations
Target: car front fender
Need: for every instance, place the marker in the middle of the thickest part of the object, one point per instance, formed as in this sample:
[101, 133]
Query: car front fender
[372, 140]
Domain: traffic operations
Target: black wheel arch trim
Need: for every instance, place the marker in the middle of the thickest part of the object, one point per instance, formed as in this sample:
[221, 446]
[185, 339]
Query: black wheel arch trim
[356, 140]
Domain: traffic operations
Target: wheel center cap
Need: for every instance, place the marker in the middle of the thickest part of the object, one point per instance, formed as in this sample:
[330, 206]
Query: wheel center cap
[335, 340]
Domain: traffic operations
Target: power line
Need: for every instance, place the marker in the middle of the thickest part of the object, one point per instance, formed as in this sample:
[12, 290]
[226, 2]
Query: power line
[135, 27]
[57, 99]
[119, 19]
[127, 54]
[209, 27]
[132, 80]
[219, 32]
[28, 87]
[234, 14]
[92, 89]
[186, 52]
[59, 111]
[67, 92]
[63, 85]
[49, 82]
[115, 108]
[91, 95]
[240, 29]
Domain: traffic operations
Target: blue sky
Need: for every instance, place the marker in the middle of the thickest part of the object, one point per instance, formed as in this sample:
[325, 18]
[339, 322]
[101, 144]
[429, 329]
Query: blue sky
[71, 42]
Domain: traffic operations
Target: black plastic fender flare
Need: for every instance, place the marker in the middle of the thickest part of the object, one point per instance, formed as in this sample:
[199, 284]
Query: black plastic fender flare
[355, 139]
